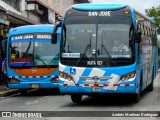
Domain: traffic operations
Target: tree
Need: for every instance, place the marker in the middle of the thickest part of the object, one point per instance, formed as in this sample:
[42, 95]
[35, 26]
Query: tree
[154, 12]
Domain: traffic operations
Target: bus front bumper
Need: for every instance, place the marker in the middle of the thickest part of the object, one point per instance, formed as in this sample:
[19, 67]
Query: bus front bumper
[33, 85]
[95, 88]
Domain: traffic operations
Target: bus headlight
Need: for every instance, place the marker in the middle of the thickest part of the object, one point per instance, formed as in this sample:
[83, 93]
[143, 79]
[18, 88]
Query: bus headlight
[55, 79]
[65, 76]
[13, 81]
[128, 76]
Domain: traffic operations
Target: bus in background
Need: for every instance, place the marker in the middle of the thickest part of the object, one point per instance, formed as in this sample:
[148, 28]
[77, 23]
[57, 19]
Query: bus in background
[32, 61]
[89, 64]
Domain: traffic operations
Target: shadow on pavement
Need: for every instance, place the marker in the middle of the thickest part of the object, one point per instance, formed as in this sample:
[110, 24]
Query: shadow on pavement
[41, 92]
[110, 100]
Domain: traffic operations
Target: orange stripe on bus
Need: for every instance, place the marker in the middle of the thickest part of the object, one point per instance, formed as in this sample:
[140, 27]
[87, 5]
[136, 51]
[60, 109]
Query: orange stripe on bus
[35, 71]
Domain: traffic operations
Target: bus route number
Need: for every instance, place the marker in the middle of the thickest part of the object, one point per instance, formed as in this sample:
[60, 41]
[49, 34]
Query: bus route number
[101, 13]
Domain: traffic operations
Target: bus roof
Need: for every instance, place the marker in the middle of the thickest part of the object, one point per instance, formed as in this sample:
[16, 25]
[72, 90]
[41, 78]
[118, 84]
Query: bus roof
[144, 16]
[95, 6]
[31, 28]
[106, 6]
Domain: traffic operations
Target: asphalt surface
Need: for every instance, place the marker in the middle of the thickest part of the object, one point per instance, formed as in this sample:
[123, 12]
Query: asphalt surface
[53, 101]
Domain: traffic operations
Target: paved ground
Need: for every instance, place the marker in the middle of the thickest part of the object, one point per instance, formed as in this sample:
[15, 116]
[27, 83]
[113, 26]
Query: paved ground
[51, 100]
[4, 91]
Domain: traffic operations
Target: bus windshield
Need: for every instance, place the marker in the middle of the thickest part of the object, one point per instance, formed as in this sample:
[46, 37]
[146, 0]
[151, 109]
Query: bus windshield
[33, 53]
[96, 39]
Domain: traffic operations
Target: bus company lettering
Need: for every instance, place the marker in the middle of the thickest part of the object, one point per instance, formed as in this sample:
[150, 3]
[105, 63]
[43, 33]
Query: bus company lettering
[101, 13]
[94, 62]
[23, 37]
[43, 36]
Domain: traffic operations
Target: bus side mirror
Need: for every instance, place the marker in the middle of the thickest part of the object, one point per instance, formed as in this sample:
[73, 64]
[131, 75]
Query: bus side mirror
[54, 38]
[54, 35]
[2, 37]
[138, 36]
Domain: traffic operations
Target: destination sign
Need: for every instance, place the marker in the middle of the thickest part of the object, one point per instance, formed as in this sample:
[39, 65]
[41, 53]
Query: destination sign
[41, 36]
[101, 13]
[22, 37]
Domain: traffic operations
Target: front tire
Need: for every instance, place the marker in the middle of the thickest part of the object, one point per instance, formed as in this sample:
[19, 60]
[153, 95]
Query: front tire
[136, 98]
[150, 87]
[23, 91]
[76, 98]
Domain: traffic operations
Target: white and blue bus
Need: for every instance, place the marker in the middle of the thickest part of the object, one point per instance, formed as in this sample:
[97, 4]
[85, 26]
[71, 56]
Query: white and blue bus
[107, 48]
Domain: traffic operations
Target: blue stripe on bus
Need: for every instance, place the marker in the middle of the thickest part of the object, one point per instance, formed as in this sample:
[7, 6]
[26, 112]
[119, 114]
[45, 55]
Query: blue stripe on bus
[20, 64]
[19, 41]
[87, 71]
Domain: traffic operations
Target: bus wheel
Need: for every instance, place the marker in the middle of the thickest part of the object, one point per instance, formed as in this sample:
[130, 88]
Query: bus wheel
[76, 98]
[23, 91]
[150, 87]
[136, 98]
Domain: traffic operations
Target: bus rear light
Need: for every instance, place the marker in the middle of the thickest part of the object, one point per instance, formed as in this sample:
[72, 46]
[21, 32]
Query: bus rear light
[13, 81]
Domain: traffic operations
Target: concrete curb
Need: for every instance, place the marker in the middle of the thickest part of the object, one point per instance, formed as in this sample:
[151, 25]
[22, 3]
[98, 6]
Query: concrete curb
[8, 92]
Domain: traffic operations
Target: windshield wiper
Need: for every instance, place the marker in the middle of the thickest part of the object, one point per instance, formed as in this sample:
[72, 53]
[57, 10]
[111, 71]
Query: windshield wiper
[22, 65]
[39, 58]
[88, 46]
[86, 49]
[108, 54]
[27, 49]
[26, 54]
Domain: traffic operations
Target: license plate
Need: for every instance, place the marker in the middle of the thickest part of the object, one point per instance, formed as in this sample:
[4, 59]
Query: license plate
[96, 88]
[34, 86]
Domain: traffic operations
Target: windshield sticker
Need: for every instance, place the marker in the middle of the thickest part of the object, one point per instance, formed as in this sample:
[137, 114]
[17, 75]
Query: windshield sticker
[13, 56]
[71, 55]
[117, 56]
[72, 71]
[66, 70]
[101, 13]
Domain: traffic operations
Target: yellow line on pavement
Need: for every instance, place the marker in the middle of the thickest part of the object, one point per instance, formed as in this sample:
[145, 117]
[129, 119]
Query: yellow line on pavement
[3, 94]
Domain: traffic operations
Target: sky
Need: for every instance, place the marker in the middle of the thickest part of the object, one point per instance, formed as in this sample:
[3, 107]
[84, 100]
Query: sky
[139, 5]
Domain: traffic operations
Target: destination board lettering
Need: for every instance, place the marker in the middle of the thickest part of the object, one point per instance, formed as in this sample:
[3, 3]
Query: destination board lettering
[101, 13]
[22, 37]
[43, 36]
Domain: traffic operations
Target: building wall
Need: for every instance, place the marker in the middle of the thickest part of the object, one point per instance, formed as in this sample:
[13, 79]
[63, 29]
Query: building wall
[28, 14]
[61, 5]
[58, 5]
